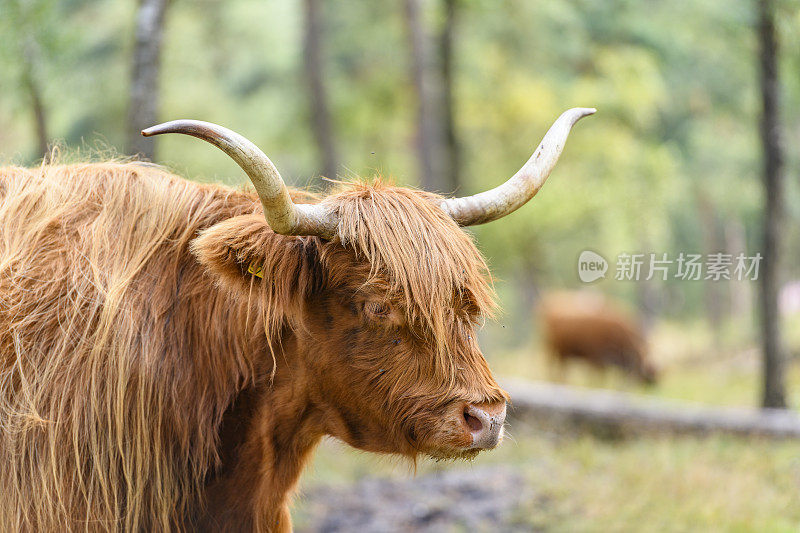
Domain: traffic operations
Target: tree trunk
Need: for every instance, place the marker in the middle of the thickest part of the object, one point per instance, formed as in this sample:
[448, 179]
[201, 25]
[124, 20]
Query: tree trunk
[39, 114]
[425, 129]
[452, 174]
[317, 95]
[774, 394]
[619, 414]
[143, 107]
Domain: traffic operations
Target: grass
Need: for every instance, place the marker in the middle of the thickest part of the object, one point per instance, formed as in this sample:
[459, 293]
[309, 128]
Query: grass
[656, 484]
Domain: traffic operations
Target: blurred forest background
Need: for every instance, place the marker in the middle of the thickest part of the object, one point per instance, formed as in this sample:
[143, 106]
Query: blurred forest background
[453, 96]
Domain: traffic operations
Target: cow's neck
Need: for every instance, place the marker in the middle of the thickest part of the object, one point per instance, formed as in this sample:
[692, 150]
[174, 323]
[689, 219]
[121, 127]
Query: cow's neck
[266, 439]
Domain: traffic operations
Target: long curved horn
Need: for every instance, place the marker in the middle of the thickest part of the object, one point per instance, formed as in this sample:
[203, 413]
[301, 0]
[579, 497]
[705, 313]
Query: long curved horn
[283, 215]
[522, 186]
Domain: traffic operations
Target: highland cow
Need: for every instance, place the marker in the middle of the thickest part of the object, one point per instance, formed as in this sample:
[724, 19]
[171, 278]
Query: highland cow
[171, 353]
[590, 327]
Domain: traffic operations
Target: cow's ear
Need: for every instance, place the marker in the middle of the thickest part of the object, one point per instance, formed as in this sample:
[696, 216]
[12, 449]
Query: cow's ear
[243, 252]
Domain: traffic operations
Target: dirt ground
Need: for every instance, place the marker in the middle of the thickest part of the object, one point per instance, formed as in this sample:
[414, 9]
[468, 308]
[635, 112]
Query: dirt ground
[477, 499]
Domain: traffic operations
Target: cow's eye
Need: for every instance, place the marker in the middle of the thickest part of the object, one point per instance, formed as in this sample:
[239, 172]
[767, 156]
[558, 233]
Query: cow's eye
[377, 309]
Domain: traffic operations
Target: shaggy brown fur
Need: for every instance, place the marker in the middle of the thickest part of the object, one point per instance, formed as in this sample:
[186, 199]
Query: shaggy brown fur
[149, 382]
[589, 327]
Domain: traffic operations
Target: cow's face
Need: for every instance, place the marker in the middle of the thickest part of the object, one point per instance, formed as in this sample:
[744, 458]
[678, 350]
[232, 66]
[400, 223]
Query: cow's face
[384, 383]
[391, 337]
[384, 317]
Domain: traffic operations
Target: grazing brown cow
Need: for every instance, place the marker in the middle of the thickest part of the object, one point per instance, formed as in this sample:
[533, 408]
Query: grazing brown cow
[589, 326]
[171, 352]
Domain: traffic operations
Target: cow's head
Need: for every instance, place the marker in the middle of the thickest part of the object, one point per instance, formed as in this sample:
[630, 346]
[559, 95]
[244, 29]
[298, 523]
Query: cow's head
[382, 291]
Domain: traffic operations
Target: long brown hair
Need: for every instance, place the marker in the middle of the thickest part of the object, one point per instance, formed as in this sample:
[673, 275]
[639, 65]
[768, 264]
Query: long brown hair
[119, 354]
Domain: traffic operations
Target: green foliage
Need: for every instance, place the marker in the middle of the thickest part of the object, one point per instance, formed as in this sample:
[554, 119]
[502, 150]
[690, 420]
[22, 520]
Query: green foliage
[675, 86]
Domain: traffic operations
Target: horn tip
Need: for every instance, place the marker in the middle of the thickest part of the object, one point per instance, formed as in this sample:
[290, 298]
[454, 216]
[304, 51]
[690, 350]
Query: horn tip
[147, 132]
[573, 115]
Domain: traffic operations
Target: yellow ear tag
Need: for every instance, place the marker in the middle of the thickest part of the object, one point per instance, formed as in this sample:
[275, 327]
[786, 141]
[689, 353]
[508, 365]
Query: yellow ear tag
[256, 270]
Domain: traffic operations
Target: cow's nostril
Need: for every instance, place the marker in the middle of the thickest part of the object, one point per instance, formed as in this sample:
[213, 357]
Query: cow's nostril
[474, 423]
[485, 422]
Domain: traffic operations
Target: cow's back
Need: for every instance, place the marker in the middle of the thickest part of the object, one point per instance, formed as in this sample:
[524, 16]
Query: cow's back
[587, 326]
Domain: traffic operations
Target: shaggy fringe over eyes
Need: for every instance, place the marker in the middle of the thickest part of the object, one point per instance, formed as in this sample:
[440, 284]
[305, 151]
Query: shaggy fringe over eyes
[432, 266]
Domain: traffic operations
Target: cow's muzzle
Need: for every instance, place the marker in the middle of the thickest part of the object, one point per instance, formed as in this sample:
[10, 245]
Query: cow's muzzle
[485, 423]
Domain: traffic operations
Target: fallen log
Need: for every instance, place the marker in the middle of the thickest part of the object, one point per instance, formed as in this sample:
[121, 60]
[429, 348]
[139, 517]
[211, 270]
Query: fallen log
[621, 412]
